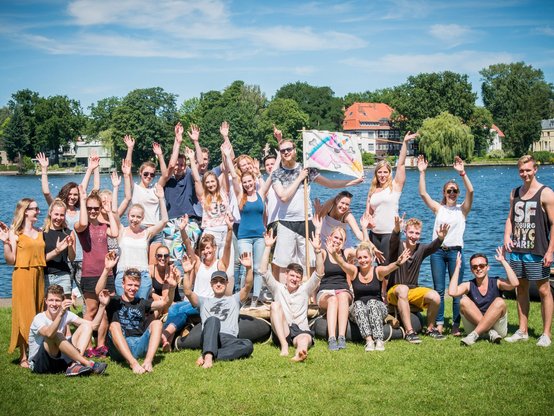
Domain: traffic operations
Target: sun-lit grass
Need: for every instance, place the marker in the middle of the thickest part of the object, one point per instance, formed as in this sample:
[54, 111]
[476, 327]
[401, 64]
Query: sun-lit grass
[432, 378]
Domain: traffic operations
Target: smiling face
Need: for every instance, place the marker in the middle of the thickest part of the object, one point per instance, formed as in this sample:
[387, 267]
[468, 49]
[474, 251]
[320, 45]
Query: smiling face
[32, 212]
[131, 285]
[336, 238]
[147, 175]
[57, 217]
[219, 285]
[450, 193]
[288, 152]
[207, 252]
[72, 197]
[245, 165]
[413, 233]
[383, 175]
[269, 164]
[135, 216]
[364, 257]
[54, 304]
[343, 205]
[293, 280]
[203, 164]
[210, 183]
[248, 184]
[527, 171]
[93, 208]
[162, 256]
[181, 166]
[479, 267]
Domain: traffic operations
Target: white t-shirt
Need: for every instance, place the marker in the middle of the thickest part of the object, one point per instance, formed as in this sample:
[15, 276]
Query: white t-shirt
[40, 321]
[149, 201]
[293, 209]
[385, 207]
[454, 217]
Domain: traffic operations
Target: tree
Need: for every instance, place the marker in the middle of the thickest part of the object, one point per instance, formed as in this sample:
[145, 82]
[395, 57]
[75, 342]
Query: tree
[429, 94]
[287, 116]
[518, 98]
[149, 115]
[480, 124]
[443, 137]
[385, 95]
[323, 108]
[16, 138]
[101, 115]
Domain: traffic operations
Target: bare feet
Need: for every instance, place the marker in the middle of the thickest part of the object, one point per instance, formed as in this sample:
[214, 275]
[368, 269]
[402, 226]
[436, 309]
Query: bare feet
[208, 361]
[166, 347]
[284, 352]
[147, 365]
[301, 355]
[23, 363]
[137, 368]
[200, 361]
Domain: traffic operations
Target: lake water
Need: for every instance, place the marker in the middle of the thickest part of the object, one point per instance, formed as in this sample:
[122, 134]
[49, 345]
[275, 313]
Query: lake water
[484, 229]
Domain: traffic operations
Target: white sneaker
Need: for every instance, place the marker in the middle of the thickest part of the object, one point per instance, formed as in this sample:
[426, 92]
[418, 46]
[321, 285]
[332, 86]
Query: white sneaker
[370, 346]
[517, 336]
[470, 339]
[544, 341]
[494, 337]
[379, 345]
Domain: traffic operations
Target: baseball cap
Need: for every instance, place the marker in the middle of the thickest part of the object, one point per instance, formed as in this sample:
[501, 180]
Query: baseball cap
[219, 275]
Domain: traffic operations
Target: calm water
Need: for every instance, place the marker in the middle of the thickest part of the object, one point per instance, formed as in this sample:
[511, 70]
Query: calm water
[484, 230]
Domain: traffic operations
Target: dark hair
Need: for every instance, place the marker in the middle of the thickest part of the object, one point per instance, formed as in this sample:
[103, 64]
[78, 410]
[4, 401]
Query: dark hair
[64, 193]
[132, 273]
[269, 156]
[343, 194]
[55, 290]
[295, 267]
[477, 255]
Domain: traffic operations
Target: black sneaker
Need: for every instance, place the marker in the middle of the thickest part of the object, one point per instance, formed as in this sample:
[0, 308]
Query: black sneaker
[99, 368]
[412, 338]
[435, 334]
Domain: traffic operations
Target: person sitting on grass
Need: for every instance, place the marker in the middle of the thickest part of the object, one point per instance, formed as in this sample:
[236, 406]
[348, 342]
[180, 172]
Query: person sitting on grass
[50, 350]
[289, 310]
[220, 315]
[403, 288]
[130, 336]
[482, 308]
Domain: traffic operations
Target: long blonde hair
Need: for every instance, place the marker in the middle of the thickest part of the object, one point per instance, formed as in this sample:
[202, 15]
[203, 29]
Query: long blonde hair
[19, 215]
[209, 197]
[375, 182]
[48, 220]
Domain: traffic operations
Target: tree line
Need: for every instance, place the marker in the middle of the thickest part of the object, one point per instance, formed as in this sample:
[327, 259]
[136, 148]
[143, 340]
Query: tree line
[441, 106]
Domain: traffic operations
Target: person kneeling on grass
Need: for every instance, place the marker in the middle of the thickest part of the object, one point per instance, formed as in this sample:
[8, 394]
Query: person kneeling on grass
[289, 310]
[403, 288]
[482, 308]
[50, 350]
[220, 315]
[130, 337]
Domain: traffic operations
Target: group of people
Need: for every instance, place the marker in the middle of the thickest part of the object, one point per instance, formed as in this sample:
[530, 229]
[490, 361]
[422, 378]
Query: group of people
[233, 237]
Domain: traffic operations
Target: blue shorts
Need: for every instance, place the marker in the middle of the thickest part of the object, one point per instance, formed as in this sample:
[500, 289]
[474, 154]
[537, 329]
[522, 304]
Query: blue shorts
[137, 345]
[64, 280]
[529, 266]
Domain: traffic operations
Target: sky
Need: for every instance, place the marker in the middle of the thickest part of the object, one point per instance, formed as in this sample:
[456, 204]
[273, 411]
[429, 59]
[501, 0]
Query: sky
[92, 49]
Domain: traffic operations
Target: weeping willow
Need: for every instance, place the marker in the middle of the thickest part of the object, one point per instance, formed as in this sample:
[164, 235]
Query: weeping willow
[443, 137]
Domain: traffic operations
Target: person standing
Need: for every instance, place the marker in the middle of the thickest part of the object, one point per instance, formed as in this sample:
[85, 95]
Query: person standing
[528, 239]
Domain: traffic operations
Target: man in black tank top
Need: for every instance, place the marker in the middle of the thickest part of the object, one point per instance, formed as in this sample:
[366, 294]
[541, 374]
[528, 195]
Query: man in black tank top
[482, 308]
[528, 238]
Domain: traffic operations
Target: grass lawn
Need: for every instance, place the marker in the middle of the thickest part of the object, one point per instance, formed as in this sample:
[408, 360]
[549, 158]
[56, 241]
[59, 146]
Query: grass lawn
[431, 378]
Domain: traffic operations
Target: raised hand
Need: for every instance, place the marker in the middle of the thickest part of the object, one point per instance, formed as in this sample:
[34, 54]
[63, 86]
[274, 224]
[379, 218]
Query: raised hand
[458, 164]
[62, 244]
[379, 255]
[104, 297]
[367, 221]
[172, 278]
[66, 305]
[107, 205]
[315, 241]
[179, 132]
[329, 246]
[269, 240]
[421, 163]
[116, 180]
[110, 260]
[278, 134]
[246, 259]
[404, 256]
[410, 136]
[194, 132]
[229, 220]
[397, 223]
[224, 130]
[129, 141]
[4, 232]
[500, 254]
[189, 153]
[93, 160]
[42, 160]
[187, 264]
[159, 191]
[443, 230]
[157, 149]
[458, 260]
[126, 167]
[266, 149]
[317, 221]
[183, 222]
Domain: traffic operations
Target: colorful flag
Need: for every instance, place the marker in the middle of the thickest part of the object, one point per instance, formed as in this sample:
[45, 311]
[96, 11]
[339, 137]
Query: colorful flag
[336, 152]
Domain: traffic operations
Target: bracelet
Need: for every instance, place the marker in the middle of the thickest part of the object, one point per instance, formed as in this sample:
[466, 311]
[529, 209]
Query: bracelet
[397, 264]
[317, 251]
[462, 174]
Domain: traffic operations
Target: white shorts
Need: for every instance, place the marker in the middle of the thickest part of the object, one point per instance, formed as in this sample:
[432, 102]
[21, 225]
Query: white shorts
[501, 326]
[291, 248]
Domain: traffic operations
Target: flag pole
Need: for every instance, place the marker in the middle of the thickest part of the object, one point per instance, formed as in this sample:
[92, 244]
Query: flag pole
[306, 205]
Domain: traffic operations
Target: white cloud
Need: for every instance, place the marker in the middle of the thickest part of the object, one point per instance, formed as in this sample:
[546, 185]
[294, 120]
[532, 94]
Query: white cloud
[546, 30]
[411, 64]
[452, 34]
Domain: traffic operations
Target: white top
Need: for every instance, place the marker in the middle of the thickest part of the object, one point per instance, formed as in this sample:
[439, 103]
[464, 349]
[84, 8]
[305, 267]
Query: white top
[271, 206]
[295, 304]
[385, 207]
[454, 217]
[40, 321]
[202, 282]
[150, 202]
[133, 252]
[328, 224]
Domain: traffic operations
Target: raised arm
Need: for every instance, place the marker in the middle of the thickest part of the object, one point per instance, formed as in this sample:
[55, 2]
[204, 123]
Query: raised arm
[130, 143]
[511, 280]
[92, 168]
[455, 289]
[158, 151]
[50, 331]
[116, 181]
[269, 240]
[187, 283]
[430, 202]
[226, 258]
[468, 201]
[183, 222]
[315, 241]
[227, 150]
[110, 260]
[246, 261]
[224, 131]
[43, 162]
[127, 188]
[195, 174]
[400, 177]
[348, 268]
[113, 224]
[159, 226]
[82, 224]
[384, 271]
[171, 280]
[335, 183]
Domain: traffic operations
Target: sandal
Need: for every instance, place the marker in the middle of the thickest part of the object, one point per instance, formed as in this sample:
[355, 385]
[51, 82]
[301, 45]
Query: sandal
[456, 332]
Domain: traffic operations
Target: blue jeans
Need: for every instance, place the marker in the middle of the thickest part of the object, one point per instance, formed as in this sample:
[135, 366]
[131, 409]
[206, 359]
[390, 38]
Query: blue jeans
[145, 284]
[137, 345]
[256, 246]
[440, 260]
[178, 314]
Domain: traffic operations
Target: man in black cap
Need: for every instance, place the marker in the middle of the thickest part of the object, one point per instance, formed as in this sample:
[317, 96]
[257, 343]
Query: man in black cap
[220, 316]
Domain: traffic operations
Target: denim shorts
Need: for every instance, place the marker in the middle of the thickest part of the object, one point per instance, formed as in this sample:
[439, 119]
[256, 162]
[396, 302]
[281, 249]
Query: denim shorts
[137, 345]
[64, 280]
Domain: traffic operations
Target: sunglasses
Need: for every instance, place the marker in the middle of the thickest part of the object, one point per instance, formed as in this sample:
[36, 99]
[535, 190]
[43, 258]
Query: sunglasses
[37, 209]
[219, 280]
[148, 174]
[478, 266]
[286, 150]
[93, 209]
[452, 191]
[162, 256]
[132, 273]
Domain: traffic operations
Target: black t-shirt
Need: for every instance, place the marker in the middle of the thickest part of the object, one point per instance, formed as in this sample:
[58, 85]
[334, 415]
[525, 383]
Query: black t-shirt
[130, 315]
[60, 263]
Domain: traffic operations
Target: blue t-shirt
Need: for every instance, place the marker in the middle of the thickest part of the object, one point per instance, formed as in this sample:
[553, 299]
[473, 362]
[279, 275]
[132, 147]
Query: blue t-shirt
[252, 219]
[180, 196]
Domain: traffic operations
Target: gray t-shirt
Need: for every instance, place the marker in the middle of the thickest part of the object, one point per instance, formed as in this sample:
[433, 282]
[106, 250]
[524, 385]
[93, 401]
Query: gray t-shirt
[226, 309]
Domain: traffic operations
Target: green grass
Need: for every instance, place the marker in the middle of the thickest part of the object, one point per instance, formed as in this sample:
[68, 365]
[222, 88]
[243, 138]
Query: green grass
[432, 378]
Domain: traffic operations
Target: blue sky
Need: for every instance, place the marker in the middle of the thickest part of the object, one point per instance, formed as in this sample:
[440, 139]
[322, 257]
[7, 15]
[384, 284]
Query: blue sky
[91, 49]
